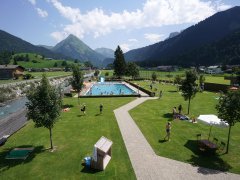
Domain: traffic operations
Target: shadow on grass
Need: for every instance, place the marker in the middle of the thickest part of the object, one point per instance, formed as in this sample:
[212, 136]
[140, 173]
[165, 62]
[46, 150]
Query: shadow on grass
[80, 115]
[90, 170]
[172, 91]
[6, 164]
[206, 160]
[169, 116]
[162, 141]
[99, 114]
[67, 106]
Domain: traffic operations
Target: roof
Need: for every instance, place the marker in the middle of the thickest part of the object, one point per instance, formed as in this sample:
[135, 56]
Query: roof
[10, 66]
[213, 67]
[103, 144]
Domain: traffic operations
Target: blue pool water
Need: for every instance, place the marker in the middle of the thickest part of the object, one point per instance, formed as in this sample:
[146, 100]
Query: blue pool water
[110, 89]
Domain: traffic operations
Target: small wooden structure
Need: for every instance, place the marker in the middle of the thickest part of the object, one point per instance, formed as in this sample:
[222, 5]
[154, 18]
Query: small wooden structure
[102, 153]
[11, 71]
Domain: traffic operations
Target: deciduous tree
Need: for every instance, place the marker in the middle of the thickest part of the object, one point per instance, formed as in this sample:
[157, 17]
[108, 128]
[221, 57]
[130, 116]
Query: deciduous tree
[77, 80]
[154, 76]
[132, 70]
[178, 81]
[189, 86]
[228, 109]
[44, 106]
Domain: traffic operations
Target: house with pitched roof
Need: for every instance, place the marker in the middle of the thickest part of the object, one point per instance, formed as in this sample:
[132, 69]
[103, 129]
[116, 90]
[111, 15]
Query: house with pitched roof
[11, 71]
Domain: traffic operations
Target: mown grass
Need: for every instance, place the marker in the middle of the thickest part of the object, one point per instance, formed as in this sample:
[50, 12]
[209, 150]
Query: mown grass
[162, 75]
[74, 136]
[152, 116]
[217, 79]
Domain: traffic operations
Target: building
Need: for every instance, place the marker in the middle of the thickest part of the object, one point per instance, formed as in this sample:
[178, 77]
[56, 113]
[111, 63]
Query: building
[11, 71]
[167, 68]
[213, 70]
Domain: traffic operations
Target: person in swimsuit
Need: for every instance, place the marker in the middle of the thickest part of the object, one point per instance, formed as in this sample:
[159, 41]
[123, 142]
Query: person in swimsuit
[168, 131]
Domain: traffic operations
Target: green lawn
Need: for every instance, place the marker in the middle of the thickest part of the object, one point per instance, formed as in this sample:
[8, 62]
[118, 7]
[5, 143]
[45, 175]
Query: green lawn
[36, 61]
[151, 118]
[216, 79]
[74, 135]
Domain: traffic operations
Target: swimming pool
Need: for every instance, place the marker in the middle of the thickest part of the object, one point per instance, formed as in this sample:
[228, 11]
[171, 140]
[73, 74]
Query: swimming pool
[110, 88]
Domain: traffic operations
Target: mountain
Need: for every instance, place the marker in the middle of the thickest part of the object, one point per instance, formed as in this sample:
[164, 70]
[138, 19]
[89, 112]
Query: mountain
[225, 51]
[45, 46]
[76, 49]
[210, 30]
[9, 42]
[173, 34]
[108, 53]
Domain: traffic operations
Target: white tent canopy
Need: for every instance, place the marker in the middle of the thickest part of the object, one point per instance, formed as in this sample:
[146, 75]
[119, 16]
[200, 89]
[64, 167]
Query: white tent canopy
[212, 120]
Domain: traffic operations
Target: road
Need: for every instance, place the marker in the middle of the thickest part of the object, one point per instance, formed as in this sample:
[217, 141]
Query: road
[13, 122]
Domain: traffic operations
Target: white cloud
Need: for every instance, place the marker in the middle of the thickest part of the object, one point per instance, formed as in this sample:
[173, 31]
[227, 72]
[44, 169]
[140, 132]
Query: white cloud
[125, 47]
[42, 13]
[33, 2]
[153, 38]
[154, 13]
[133, 40]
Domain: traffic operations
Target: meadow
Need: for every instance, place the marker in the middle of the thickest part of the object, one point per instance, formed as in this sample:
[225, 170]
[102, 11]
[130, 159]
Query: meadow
[169, 76]
[37, 61]
[152, 116]
[74, 136]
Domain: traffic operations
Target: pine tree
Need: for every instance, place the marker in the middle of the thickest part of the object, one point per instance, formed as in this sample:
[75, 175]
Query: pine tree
[119, 63]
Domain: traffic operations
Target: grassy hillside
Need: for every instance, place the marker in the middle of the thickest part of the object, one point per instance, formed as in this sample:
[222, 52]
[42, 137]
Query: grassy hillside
[32, 60]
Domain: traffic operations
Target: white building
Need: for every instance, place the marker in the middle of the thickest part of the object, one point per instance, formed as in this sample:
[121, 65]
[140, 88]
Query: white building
[213, 70]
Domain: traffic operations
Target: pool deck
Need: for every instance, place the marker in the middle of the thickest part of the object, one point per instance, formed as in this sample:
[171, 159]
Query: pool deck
[88, 85]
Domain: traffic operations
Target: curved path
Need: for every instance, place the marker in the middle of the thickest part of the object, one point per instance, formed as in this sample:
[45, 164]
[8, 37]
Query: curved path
[146, 164]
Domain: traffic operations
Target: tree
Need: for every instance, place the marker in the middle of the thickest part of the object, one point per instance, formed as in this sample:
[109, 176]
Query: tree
[107, 73]
[88, 64]
[119, 63]
[64, 63]
[178, 81]
[5, 57]
[96, 73]
[26, 58]
[132, 70]
[15, 61]
[201, 79]
[55, 64]
[228, 109]
[77, 80]
[154, 76]
[189, 87]
[44, 106]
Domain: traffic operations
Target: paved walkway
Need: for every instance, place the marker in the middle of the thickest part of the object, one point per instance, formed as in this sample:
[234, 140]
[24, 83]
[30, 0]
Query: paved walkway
[147, 165]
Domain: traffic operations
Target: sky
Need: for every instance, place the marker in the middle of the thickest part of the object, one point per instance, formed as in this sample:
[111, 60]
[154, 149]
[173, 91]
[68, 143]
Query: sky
[104, 23]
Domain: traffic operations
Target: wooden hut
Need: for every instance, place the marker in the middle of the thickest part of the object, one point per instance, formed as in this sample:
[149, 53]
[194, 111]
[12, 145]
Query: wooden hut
[11, 71]
[102, 153]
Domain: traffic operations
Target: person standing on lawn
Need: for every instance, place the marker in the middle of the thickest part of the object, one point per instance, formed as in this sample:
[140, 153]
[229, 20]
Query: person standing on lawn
[168, 131]
[101, 108]
[180, 109]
